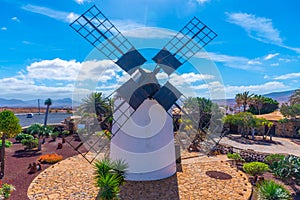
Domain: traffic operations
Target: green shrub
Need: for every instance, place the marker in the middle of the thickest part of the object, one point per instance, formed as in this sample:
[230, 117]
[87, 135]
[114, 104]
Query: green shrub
[255, 168]
[5, 190]
[54, 135]
[22, 136]
[35, 129]
[235, 156]
[270, 159]
[287, 168]
[30, 143]
[7, 143]
[269, 190]
[65, 132]
[109, 176]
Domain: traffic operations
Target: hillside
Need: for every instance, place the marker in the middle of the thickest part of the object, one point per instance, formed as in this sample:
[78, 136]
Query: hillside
[17, 103]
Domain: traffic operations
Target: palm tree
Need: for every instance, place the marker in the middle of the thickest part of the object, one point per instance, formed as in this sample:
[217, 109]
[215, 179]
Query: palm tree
[95, 103]
[243, 99]
[258, 102]
[48, 103]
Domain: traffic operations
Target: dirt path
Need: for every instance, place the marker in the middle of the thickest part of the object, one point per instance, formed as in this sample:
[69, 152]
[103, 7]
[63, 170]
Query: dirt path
[17, 161]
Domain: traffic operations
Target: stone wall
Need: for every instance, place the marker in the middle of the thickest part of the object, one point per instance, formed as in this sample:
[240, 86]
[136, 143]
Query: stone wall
[287, 129]
[248, 154]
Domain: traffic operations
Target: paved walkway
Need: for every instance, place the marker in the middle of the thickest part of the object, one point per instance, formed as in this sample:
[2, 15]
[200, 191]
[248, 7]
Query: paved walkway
[73, 179]
[283, 145]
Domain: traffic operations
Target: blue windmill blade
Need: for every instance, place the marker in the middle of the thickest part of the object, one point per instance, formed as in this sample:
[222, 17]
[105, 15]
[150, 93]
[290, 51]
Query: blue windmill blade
[103, 35]
[186, 43]
[167, 96]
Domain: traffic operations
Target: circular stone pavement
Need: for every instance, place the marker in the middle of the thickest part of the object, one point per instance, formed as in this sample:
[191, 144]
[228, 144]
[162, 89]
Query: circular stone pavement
[73, 179]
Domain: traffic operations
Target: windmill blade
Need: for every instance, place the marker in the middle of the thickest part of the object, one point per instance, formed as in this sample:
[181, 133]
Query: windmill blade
[167, 96]
[186, 43]
[103, 35]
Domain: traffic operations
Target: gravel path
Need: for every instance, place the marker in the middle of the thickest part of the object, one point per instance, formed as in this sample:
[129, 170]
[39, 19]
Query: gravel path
[280, 145]
[197, 178]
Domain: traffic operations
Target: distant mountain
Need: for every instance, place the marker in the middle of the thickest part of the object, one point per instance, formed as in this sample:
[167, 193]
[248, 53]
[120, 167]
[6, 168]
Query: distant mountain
[56, 103]
[281, 97]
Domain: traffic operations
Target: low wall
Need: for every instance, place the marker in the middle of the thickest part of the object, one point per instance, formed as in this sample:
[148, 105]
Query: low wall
[248, 154]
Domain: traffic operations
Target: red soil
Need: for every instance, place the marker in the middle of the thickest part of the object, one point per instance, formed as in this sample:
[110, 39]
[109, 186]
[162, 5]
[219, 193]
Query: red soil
[17, 161]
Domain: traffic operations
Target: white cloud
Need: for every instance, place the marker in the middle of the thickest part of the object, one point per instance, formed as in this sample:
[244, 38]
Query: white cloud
[232, 61]
[64, 70]
[82, 1]
[189, 78]
[270, 56]
[288, 76]
[259, 89]
[274, 64]
[259, 28]
[15, 19]
[55, 14]
[23, 88]
[57, 77]
[145, 32]
[3, 28]
[202, 1]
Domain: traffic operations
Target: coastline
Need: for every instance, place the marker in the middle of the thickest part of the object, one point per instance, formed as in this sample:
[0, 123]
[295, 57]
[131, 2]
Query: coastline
[18, 110]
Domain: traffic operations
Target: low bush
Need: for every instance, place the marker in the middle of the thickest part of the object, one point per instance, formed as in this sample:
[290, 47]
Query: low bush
[270, 190]
[54, 135]
[235, 156]
[5, 190]
[270, 159]
[7, 144]
[109, 176]
[22, 136]
[50, 158]
[30, 143]
[255, 168]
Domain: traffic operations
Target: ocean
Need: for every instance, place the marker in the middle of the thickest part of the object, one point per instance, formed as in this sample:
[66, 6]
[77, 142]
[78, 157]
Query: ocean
[53, 118]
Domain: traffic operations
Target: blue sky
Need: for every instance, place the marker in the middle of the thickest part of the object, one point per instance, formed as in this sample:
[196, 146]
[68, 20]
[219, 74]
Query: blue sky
[257, 48]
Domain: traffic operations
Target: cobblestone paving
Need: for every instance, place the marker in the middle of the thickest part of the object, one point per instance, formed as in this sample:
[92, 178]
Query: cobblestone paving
[73, 179]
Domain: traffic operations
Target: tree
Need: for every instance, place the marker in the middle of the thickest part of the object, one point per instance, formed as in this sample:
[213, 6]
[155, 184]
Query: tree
[292, 108]
[96, 103]
[247, 121]
[262, 105]
[257, 102]
[295, 97]
[9, 127]
[200, 109]
[48, 103]
[243, 99]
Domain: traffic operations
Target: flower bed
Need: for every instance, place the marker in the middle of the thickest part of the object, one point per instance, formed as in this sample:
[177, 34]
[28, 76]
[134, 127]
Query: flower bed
[50, 158]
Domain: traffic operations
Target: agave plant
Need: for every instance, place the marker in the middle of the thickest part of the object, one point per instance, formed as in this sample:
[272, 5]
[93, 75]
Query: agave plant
[109, 186]
[102, 168]
[109, 176]
[119, 168]
[287, 168]
[269, 190]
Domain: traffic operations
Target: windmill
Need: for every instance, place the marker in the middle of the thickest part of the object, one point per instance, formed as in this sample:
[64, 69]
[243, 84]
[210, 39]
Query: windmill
[142, 128]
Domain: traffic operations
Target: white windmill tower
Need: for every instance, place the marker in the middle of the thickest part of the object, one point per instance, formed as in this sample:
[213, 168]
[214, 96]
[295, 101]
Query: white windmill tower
[142, 128]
